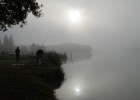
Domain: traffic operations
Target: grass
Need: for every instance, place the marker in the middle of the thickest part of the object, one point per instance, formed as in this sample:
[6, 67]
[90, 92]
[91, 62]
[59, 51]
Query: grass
[28, 81]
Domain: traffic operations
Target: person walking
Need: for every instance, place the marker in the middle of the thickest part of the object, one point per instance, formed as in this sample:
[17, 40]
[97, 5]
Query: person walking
[17, 51]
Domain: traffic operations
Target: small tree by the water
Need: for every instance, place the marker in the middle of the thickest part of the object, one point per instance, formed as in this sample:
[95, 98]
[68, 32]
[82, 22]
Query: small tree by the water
[55, 58]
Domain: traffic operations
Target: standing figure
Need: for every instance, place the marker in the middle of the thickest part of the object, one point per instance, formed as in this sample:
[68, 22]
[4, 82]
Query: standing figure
[17, 51]
[39, 55]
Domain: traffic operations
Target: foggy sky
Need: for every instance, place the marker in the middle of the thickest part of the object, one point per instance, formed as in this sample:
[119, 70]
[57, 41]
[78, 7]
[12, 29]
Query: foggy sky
[104, 24]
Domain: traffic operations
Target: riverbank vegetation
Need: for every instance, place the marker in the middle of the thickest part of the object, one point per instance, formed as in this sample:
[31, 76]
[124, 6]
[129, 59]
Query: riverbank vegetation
[28, 81]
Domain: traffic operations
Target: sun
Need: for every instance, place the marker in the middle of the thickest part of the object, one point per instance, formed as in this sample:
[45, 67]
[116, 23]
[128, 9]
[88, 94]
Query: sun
[74, 15]
[77, 90]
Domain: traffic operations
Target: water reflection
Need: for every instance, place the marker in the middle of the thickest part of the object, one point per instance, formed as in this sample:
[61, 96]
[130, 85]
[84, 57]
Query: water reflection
[108, 75]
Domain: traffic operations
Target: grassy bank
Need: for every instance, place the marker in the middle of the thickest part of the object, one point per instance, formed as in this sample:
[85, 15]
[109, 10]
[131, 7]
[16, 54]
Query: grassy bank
[27, 81]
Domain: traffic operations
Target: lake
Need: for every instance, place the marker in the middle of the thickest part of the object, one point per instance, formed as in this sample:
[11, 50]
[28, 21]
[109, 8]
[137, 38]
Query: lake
[108, 75]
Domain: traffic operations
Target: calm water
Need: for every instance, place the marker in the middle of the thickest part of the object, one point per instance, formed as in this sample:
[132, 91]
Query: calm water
[108, 75]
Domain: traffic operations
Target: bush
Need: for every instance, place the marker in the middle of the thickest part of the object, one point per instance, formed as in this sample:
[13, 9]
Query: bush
[55, 58]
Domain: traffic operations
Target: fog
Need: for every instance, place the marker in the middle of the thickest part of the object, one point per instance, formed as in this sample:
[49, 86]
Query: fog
[109, 75]
[104, 24]
[110, 27]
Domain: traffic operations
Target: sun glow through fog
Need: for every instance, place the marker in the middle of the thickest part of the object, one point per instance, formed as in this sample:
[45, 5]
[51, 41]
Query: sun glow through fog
[74, 15]
[77, 90]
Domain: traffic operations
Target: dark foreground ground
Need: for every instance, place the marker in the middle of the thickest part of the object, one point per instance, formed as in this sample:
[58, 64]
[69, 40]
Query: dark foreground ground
[27, 81]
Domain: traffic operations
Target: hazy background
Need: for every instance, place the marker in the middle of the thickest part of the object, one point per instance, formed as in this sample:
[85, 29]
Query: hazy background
[104, 24]
[110, 27]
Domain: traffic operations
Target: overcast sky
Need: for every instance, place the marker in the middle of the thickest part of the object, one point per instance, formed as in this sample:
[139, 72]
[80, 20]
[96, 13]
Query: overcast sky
[102, 24]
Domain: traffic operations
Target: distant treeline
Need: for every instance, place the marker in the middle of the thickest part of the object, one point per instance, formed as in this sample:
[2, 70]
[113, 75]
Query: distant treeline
[7, 46]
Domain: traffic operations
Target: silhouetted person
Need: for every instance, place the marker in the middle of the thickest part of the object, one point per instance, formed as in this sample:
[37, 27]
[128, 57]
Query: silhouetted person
[17, 51]
[39, 55]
